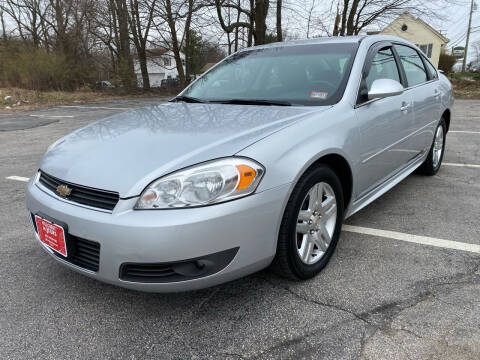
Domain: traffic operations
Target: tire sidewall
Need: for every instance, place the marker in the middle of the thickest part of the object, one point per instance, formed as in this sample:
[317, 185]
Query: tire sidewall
[319, 174]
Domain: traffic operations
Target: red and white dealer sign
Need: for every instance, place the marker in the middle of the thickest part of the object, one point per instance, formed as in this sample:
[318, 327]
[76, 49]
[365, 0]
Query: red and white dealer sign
[51, 235]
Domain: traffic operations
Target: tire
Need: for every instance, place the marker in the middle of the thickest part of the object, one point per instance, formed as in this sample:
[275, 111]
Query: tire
[291, 243]
[433, 162]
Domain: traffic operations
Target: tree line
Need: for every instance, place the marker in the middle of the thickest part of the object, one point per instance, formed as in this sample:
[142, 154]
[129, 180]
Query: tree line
[65, 44]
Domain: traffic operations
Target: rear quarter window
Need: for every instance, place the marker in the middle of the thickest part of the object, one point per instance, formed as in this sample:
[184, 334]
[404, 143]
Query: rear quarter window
[431, 70]
[412, 64]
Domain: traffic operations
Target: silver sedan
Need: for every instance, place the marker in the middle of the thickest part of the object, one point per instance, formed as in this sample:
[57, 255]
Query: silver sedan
[256, 163]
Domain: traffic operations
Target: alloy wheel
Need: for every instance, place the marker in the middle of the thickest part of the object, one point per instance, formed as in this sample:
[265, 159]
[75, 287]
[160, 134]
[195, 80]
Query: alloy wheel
[437, 147]
[316, 223]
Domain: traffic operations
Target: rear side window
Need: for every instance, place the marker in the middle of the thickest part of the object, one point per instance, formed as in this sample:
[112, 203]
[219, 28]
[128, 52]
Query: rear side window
[383, 67]
[412, 64]
[431, 70]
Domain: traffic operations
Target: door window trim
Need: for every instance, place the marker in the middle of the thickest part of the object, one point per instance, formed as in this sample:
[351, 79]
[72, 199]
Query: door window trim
[422, 57]
[425, 62]
[372, 51]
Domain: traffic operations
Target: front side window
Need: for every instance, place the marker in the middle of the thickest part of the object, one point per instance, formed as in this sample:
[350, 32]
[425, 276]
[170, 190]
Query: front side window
[412, 64]
[383, 66]
[299, 75]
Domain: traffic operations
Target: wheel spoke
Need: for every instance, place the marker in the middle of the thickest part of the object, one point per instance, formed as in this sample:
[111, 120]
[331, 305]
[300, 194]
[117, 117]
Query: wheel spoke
[321, 244]
[325, 236]
[307, 251]
[302, 228]
[328, 208]
[304, 215]
[315, 195]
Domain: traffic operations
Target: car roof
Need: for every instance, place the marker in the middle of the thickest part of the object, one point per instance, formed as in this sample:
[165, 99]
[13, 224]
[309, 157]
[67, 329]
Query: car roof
[331, 40]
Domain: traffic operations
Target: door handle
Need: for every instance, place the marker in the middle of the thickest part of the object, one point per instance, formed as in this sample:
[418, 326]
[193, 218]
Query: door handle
[405, 106]
[437, 94]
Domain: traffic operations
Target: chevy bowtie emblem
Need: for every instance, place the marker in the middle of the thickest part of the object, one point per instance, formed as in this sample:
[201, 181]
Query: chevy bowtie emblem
[63, 190]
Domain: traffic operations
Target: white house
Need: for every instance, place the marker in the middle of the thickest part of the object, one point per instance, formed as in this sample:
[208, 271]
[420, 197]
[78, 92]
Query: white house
[160, 65]
[417, 31]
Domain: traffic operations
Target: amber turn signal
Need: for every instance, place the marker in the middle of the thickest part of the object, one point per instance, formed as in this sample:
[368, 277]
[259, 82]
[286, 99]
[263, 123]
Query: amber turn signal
[247, 175]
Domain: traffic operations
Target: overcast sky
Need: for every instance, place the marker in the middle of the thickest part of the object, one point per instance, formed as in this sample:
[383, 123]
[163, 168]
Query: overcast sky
[452, 20]
[455, 24]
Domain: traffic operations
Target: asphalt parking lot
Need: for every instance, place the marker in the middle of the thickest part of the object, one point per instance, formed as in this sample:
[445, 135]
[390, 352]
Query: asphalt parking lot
[385, 294]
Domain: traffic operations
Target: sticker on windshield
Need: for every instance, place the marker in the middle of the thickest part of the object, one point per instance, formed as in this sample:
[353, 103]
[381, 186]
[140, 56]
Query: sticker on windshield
[321, 95]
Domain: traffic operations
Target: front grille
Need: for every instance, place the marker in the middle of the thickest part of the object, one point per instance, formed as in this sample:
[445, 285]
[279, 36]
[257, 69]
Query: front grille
[83, 253]
[81, 194]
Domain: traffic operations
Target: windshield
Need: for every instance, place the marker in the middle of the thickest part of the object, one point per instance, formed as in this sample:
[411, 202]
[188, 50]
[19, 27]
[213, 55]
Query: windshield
[298, 75]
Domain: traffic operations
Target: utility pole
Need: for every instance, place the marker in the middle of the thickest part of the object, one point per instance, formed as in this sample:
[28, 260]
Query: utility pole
[465, 53]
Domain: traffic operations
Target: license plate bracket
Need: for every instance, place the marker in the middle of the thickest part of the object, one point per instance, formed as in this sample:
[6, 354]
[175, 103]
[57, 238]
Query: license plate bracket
[52, 233]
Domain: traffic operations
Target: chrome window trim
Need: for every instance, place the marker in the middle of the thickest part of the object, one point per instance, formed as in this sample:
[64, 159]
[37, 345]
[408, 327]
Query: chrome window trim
[356, 106]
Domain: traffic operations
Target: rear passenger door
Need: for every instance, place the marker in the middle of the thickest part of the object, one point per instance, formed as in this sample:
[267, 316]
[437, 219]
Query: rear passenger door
[383, 123]
[422, 85]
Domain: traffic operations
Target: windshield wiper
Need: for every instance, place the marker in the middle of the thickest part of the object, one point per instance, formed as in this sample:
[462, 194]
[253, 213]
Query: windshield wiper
[187, 99]
[252, 102]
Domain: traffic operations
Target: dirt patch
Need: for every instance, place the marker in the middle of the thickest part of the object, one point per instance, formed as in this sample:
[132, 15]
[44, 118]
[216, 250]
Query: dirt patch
[466, 89]
[12, 99]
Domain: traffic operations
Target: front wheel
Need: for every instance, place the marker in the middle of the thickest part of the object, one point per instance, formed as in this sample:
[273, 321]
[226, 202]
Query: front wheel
[311, 225]
[435, 156]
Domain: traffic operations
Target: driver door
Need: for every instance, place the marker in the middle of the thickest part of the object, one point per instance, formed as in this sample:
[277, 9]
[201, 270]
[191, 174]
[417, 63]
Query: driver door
[383, 123]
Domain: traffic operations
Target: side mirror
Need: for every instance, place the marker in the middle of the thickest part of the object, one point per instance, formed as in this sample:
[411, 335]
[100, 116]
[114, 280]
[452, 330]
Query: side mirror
[382, 88]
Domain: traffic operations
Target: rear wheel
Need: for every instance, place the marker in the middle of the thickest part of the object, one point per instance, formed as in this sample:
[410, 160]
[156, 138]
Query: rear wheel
[311, 225]
[435, 156]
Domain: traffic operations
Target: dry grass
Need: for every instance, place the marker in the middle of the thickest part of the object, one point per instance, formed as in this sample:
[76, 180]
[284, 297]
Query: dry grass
[466, 89]
[29, 99]
[22, 99]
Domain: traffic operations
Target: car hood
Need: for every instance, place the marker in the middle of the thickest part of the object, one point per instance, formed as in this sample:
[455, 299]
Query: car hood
[126, 152]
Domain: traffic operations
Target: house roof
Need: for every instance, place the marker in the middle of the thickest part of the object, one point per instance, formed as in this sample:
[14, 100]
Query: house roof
[435, 32]
[157, 52]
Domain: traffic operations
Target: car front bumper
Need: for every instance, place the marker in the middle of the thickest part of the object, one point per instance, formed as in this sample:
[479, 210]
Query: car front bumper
[167, 236]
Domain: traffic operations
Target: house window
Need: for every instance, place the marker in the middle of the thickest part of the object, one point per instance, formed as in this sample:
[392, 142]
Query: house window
[426, 49]
[167, 61]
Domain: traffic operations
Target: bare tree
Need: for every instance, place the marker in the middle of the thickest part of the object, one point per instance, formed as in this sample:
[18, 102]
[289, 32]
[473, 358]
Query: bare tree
[358, 14]
[2, 22]
[174, 21]
[141, 19]
[279, 20]
[256, 15]
[120, 24]
[28, 16]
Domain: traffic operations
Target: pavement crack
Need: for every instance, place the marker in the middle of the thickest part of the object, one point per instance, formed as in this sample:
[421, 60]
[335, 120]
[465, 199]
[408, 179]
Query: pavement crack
[316, 302]
[333, 306]
[233, 354]
[408, 332]
[207, 299]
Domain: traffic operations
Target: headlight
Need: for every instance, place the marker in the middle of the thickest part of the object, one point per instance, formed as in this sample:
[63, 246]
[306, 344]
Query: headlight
[207, 183]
